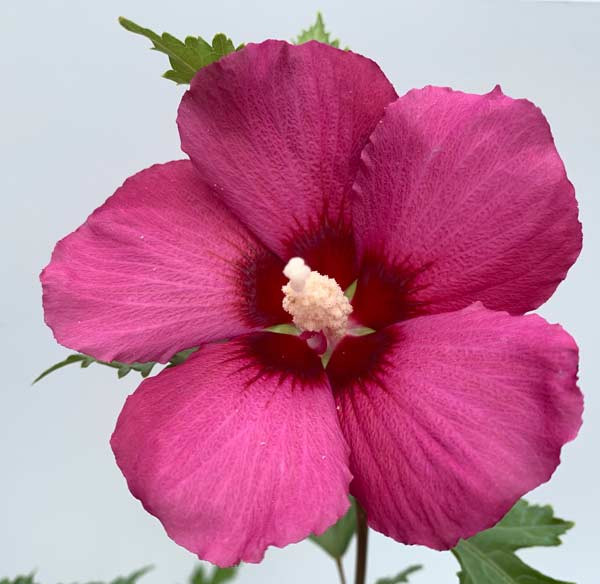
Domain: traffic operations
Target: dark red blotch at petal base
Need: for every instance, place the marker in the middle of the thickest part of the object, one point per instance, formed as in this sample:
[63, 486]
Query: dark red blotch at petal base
[386, 294]
[283, 355]
[357, 360]
[261, 283]
[328, 248]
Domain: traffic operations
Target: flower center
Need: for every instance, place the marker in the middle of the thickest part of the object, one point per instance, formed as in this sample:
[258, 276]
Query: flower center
[316, 302]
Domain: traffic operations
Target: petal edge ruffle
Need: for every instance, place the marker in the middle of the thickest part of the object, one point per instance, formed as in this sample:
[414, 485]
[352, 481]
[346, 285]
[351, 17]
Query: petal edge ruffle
[461, 198]
[237, 449]
[276, 130]
[162, 266]
[452, 418]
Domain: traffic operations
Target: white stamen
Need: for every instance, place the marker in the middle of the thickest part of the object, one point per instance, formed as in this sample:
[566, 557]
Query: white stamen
[316, 302]
[297, 272]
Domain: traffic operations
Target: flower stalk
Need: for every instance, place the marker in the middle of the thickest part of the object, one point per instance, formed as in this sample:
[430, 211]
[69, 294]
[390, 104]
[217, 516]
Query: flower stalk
[340, 568]
[362, 539]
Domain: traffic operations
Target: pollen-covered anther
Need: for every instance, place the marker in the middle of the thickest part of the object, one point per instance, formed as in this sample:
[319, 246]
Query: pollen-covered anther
[316, 302]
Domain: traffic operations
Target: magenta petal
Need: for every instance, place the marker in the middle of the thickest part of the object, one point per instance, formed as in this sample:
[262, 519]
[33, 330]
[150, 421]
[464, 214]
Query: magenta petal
[237, 449]
[162, 266]
[277, 131]
[463, 198]
[451, 418]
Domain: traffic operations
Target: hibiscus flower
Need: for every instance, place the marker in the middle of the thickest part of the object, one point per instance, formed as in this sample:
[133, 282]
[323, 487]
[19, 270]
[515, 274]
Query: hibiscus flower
[453, 215]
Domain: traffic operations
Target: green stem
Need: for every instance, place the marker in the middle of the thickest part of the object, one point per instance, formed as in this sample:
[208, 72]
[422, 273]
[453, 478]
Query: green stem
[362, 538]
[340, 567]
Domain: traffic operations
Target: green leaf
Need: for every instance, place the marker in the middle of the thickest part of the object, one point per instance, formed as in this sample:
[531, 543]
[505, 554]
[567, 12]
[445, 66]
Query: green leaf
[221, 575]
[402, 576]
[197, 576]
[186, 57]
[29, 579]
[336, 539]
[218, 575]
[317, 32]
[122, 368]
[68, 361]
[489, 558]
[524, 526]
[182, 356]
[133, 577]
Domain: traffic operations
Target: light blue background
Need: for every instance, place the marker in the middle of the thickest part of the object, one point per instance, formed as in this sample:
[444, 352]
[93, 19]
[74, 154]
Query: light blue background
[83, 106]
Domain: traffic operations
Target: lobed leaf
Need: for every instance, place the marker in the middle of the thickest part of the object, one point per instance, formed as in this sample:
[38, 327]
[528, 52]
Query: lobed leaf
[123, 369]
[489, 558]
[317, 32]
[186, 57]
[524, 526]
